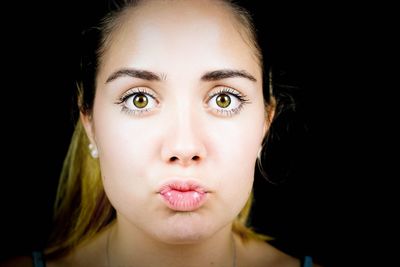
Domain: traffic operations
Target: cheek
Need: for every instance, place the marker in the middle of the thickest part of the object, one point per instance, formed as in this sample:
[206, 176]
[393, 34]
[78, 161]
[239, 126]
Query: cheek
[123, 141]
[235, 171]
[125, 152]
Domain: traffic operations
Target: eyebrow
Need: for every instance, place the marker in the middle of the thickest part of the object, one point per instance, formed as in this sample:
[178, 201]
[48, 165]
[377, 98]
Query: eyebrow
[135, 73]
[225, 74]
[208, 76]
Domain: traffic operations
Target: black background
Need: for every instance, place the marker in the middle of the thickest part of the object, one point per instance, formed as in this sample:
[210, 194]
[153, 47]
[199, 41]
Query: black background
[315, 210]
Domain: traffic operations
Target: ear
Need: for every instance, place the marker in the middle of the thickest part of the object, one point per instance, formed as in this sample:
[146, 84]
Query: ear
[266, 127]
[269, 116]
[87, 122]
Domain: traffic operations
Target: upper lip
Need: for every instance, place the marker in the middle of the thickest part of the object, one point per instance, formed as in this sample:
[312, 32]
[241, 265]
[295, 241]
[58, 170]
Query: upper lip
[182, 185]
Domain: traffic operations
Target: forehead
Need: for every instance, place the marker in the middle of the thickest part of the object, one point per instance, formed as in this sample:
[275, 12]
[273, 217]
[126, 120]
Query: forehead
[182, 33]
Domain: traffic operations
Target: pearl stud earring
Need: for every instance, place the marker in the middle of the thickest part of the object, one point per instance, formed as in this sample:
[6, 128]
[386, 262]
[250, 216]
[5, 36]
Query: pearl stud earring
[93, 151]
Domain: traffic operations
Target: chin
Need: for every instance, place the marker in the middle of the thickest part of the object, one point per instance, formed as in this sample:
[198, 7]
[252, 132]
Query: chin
[185, 228]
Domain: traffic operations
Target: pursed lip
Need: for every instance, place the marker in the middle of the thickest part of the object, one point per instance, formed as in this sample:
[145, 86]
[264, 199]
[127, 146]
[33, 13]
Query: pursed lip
[183, 195]
[182, 185]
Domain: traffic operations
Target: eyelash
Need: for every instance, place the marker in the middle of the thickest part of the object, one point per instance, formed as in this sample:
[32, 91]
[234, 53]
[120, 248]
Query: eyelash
[130, 93]
[241, 97]
[224, 90]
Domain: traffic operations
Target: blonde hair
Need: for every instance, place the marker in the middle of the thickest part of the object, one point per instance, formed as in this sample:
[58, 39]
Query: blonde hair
[82, 208]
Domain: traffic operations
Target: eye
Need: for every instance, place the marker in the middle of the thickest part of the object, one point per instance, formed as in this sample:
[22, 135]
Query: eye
[137, 101]
[227, 101]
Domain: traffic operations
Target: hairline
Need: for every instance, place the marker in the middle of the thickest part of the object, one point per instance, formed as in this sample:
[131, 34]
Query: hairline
[114, 22]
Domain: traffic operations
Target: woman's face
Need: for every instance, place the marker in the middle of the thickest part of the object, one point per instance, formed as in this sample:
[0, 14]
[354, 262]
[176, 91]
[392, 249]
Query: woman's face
[178, 120]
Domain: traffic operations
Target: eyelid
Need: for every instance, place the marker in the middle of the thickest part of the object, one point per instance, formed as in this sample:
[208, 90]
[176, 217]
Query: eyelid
[229, 90]
[136, 90]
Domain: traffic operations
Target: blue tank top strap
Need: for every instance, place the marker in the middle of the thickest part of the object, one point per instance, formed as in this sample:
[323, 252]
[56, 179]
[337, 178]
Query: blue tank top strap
[307, 261]
[38, 259]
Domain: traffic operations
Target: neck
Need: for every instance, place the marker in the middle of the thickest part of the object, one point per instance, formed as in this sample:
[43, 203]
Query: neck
[129, 246]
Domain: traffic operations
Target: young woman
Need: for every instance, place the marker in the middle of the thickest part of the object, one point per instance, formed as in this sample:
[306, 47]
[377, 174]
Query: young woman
[173, 114]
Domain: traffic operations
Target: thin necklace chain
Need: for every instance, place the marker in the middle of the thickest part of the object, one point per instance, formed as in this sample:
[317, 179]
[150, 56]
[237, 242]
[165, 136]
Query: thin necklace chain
[234, 251]
[108, 247]
[108, 250]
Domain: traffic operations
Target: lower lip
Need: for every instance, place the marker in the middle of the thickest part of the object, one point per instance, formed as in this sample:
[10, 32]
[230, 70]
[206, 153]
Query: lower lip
[184, 200]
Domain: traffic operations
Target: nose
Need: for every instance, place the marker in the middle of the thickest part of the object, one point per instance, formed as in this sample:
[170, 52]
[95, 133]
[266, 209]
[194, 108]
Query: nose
[183, 144]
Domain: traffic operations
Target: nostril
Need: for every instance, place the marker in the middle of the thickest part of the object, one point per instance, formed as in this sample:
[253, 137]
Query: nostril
[174, 158]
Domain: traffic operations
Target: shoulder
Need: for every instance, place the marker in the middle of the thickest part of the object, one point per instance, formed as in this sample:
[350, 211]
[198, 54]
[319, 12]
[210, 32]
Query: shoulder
[258, 254]
[89, 253]
[20, 261]
[78, 257]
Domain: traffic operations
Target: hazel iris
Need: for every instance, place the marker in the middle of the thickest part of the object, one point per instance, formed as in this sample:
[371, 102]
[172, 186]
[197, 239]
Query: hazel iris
[223, 100]
[140, 101]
